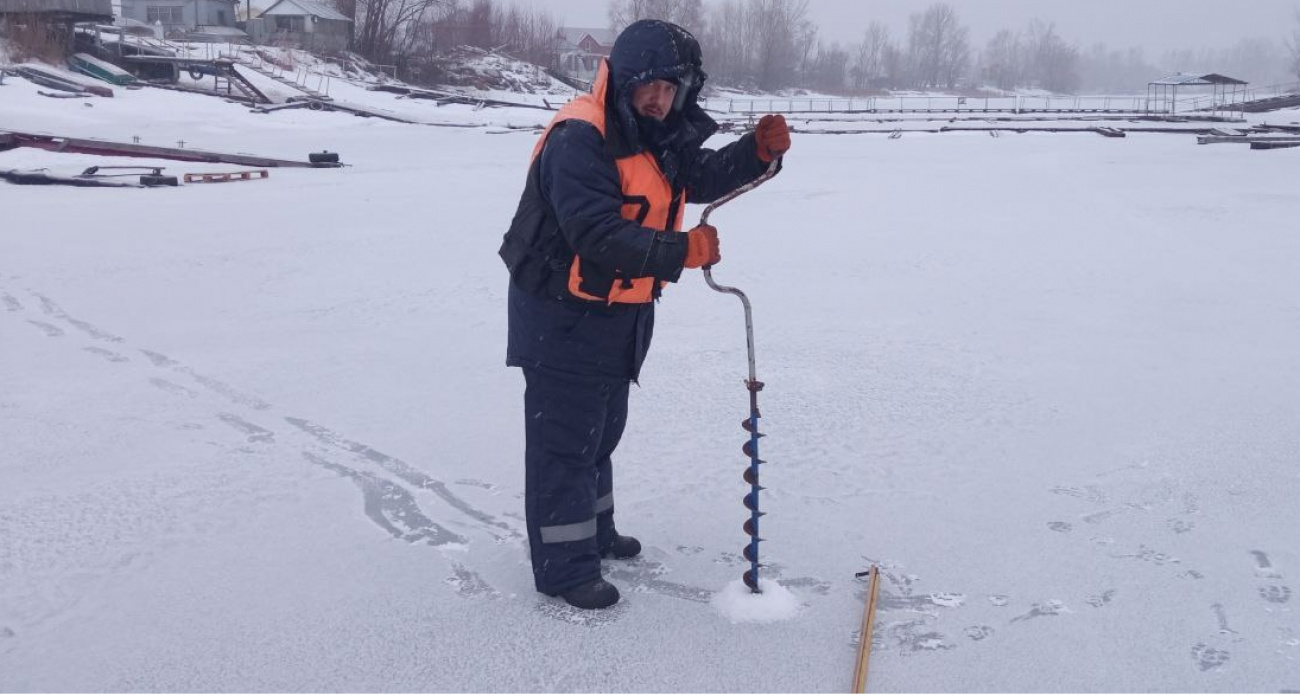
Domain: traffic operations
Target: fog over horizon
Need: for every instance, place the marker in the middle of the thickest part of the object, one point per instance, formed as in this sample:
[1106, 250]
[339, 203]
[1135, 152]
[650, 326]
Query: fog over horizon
[1156, 25]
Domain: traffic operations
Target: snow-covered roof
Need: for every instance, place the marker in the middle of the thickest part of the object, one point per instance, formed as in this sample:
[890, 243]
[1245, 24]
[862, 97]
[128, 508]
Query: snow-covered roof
[574, 35]
[1198, 79]
[252, 8]
[303, 8]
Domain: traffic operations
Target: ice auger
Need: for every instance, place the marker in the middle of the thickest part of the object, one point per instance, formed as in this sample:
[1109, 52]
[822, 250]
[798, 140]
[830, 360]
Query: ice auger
[750, 448]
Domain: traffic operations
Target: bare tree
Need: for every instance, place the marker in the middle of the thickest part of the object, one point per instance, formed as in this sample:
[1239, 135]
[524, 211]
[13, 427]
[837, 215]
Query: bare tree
[1256, 59]
[688, 14]
[1293, 46]
[779, 27]
[527, 35]
[956, 57]
[383, 25]
[1114, 71]
[938, 47]
[868, 66]
[807, 48]
[1054, 63]
[479, 22]
[530, 36]
[1002, 61]
[758, 43]
[727, 53]
[830, 68]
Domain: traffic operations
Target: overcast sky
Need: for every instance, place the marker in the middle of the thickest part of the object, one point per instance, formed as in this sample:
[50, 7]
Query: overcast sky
[1156, 24]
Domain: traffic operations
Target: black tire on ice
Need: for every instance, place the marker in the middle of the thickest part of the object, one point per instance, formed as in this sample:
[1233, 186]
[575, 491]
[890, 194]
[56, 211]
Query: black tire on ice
[158, 180]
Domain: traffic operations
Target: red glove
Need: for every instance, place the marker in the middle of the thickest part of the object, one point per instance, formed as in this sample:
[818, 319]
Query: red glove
[702, 247]
[772, 137]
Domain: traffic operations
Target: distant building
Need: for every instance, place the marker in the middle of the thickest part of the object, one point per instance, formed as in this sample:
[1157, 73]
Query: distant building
[196, 19]
[59, 11]
[305, 24]
[581, 50]
[594, 41]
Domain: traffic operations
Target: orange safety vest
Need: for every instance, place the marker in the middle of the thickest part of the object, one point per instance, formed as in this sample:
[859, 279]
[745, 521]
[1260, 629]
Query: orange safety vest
[639, 177]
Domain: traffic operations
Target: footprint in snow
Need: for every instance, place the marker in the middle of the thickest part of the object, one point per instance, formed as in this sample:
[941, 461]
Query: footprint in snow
[913, 636]
[1102, 599]
[1275, 594]
[468, 583]
[1051, 607]
[1221, 617]
[1208, 658]
[1264, 566]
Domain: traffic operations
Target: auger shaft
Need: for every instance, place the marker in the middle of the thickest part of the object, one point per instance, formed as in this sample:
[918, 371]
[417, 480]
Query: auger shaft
[750, 424]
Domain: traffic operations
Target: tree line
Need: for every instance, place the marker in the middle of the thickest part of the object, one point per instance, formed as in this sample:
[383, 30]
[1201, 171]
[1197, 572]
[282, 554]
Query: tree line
[773, 45]
[415, 32]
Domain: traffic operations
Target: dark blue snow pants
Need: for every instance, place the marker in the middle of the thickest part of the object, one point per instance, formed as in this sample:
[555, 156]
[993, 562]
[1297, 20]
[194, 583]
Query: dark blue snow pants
[572, 426]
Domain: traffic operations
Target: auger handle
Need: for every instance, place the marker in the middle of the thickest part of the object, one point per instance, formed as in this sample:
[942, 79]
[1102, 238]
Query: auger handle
[771, 172]
[708, 270]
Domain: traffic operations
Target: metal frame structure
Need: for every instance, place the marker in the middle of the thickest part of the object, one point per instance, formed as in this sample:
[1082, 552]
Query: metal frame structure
[1162, 94]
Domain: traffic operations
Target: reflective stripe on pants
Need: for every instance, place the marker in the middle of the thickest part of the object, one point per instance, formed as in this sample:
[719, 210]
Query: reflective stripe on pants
[572, 426]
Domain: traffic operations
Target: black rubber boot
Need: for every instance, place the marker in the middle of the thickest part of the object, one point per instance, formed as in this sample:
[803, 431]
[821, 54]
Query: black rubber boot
[622, 547]
[597, 594]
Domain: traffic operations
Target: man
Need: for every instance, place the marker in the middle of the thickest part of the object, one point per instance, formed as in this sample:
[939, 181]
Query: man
[595, 239]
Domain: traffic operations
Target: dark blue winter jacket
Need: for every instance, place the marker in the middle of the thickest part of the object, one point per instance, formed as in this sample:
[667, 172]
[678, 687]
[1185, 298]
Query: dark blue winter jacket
[573, 200]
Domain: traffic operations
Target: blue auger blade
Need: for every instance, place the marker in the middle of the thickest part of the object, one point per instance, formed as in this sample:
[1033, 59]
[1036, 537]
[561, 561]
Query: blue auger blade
[751, 475]
[749, 428]
[751, 500]
[748, 449]
[751, 551]
[751, 580]
[749, 524]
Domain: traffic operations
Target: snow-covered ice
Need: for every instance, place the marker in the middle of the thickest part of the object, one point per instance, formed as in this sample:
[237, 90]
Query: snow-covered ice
[259, 436]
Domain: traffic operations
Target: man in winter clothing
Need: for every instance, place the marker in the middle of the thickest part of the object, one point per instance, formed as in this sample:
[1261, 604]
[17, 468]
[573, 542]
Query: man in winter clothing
[594, 241]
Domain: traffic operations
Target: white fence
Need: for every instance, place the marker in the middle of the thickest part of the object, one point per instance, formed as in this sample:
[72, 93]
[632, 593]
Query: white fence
[1134, 104]
[935, 104]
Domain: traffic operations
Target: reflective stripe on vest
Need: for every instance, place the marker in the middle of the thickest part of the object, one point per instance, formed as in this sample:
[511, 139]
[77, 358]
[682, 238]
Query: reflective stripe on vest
[647, 195]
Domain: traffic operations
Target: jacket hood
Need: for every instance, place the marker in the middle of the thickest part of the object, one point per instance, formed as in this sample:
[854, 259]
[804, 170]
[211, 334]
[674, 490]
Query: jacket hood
[652, 49]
